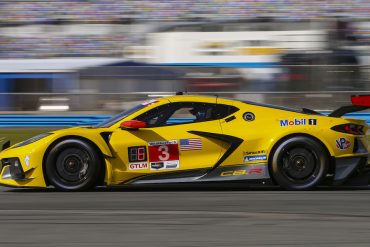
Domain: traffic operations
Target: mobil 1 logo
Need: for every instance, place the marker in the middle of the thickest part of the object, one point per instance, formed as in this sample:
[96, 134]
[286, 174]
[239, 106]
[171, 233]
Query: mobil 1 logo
[297, 122]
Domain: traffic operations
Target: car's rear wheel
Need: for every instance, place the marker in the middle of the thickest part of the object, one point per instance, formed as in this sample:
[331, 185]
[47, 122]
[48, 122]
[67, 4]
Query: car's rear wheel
[299, 163]
[73, 165]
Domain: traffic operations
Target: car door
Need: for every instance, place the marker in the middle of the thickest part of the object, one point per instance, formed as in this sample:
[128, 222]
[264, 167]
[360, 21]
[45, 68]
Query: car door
[171, 140]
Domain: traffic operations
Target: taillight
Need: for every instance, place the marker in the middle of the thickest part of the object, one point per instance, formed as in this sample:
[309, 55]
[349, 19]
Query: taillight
[353, 129]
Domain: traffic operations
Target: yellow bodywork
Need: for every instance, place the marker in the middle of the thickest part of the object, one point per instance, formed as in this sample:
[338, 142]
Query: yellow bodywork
[259, 138]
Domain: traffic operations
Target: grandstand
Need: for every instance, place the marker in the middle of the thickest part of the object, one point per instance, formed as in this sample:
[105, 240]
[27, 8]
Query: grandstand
[254, 45]
[75, 28]
[26, 11]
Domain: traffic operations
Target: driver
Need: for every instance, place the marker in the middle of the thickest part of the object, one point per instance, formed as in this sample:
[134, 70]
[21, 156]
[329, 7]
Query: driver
[198, 113]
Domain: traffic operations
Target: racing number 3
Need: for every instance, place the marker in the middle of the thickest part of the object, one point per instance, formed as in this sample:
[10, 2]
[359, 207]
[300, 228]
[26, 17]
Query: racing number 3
[163, 151]
[165, 155]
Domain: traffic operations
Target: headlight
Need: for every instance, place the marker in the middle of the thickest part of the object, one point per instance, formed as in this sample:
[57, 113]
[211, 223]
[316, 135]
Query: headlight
[32, 140]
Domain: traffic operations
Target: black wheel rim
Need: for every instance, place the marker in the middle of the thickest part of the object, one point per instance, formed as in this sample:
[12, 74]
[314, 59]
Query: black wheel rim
[299, 164]
[73, 167]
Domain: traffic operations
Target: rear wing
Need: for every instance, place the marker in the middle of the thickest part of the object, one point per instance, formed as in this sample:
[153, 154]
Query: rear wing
[359, 103]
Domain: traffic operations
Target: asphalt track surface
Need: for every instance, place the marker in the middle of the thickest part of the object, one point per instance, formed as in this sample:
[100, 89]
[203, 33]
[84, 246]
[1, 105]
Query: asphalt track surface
[185, 216]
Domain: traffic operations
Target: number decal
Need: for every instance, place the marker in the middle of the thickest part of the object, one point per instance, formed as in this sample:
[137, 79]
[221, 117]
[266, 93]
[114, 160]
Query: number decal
[164, 155]
[141, 153]
[137, 154]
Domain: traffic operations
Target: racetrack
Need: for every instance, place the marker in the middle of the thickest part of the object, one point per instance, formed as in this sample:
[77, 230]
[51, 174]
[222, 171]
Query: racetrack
[190, 216]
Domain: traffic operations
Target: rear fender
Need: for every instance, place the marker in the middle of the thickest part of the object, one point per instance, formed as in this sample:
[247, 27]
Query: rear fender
[279, 139]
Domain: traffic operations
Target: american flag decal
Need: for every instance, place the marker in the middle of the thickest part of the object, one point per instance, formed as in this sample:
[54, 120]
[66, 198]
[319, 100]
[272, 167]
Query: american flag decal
[190, 144]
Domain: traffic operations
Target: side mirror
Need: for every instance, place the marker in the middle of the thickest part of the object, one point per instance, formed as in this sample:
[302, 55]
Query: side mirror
[132, 124]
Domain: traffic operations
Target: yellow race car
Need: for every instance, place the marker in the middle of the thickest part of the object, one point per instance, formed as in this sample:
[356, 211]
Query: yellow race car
[185, 139]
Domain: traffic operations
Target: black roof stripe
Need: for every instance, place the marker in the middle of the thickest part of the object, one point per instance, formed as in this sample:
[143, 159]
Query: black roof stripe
[272, 106]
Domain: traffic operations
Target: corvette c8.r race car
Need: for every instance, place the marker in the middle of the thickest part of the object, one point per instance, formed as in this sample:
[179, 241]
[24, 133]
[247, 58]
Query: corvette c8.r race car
[184, 138]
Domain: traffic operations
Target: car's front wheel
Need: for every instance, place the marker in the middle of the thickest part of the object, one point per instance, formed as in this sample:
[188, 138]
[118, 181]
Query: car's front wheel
[299, 163]
[73, 165]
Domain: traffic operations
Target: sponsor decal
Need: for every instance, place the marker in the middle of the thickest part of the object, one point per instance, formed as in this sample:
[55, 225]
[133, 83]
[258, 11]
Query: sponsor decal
[172, 164]
[254, 158]
[156, 165]
[27, 161]
[164, 165]
[164, 155]
[255, 152]
[137, 154]
[190, 144]
[297, 122]
[342, 143]
[241, 172]
[248, 116]
[287, 122]
[158, 143]
[138, 166]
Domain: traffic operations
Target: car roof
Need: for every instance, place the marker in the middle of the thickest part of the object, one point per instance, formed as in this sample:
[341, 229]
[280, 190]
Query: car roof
[213, 99]
[192, 98]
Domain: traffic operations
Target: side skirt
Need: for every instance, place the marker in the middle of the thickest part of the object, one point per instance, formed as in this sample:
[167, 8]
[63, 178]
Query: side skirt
[219, 174]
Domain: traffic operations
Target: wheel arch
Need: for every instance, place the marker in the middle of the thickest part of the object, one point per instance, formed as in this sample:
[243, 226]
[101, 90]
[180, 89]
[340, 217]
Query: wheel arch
[284, 138]
[83, 139]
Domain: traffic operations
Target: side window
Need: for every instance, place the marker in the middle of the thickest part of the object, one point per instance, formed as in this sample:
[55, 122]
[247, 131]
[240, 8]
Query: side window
[222, 111]
[185, 112]
[182, 115]
[156, 116]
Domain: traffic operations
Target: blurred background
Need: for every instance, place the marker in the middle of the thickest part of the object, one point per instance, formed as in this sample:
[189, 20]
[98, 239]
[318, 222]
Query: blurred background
[77, 62]
[74, 62]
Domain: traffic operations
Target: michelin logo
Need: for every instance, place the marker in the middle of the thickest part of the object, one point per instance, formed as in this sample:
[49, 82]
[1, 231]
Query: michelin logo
[255, 158]
[296, 122]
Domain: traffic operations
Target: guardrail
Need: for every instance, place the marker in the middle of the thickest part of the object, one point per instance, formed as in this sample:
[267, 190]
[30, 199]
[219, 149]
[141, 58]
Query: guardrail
[86, 120]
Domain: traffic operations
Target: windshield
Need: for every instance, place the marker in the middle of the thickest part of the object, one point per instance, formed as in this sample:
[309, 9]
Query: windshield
[118, 117]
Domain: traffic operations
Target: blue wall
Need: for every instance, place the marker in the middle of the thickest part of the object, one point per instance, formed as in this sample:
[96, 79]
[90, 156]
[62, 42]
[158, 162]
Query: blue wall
[79, 120]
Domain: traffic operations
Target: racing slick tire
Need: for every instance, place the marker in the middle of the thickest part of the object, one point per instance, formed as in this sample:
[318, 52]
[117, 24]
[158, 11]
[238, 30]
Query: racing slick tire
[299, 163]
[73, 165]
